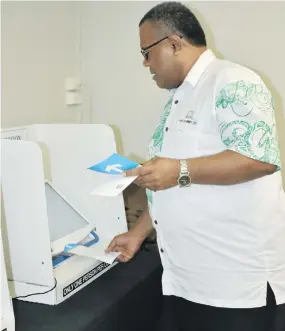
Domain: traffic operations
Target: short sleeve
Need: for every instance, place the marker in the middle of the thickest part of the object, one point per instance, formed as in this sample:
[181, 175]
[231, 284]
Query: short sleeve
[245, 113]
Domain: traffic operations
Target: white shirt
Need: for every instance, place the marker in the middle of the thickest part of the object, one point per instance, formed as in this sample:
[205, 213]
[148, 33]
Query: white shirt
[220, 245]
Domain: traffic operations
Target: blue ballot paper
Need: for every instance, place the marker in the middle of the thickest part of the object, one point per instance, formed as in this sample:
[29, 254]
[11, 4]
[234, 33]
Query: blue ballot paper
[114, 165]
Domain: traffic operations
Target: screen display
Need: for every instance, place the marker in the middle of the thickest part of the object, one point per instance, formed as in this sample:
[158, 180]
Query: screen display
[62, 218]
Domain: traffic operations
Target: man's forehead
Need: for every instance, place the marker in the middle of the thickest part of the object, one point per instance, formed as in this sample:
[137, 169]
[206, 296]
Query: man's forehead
[148, 34]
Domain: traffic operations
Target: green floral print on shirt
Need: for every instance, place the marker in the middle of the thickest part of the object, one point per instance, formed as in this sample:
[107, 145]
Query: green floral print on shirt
[250, 127]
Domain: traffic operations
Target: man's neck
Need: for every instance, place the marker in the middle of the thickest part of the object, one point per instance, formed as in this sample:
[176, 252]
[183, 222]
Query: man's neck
[196, 52]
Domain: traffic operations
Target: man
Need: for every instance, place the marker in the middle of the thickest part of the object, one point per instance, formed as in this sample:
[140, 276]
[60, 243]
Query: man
[213, 184]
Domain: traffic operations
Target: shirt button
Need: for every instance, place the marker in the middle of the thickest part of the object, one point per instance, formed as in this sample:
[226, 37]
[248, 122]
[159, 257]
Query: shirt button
[166, 129]
[155, 222]
[176, 102]
[161, 250]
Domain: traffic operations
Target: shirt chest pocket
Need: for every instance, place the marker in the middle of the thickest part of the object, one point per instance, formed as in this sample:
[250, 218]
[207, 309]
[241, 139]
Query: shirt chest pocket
[184, 139]
[193, 140]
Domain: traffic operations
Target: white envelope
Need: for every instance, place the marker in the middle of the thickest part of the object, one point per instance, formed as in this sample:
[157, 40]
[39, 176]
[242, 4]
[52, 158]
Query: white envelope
[113, 186]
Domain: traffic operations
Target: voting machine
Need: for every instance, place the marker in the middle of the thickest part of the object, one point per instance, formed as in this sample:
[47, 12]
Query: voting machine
[55, 228]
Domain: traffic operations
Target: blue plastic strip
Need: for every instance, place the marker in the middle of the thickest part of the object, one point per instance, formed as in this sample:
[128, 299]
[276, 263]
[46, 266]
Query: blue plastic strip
[68, 247]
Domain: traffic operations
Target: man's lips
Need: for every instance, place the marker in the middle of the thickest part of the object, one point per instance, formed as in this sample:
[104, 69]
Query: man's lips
[153, 74]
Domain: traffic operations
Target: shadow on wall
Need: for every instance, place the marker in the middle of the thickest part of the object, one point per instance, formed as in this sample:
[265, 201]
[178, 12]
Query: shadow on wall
[118, 139]
[280, 120]
[120, 146]
[208, 32]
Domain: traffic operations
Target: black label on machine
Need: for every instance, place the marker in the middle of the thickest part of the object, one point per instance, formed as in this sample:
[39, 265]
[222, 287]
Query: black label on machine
[85, 278]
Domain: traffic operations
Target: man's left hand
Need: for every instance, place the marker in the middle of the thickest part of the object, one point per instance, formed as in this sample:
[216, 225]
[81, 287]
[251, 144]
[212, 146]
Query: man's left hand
[156, 174]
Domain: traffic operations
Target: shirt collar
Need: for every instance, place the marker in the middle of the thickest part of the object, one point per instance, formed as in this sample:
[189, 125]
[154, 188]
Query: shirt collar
[199, 67]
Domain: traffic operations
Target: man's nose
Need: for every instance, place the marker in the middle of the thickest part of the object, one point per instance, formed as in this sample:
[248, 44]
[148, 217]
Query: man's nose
[145, 63]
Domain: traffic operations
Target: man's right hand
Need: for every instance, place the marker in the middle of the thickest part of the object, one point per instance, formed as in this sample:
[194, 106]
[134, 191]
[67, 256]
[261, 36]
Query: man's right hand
[127, 244]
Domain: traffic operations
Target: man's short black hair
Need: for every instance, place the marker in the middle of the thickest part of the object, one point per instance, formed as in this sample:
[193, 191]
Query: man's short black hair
[176, 18]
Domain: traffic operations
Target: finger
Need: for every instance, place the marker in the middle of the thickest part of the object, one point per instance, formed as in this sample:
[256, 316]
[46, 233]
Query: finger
[123, 258]
[112, 246]
[149, 185]
[132, 172]
[136, 181]
[147, 179]
[139, 171]
[142, 169]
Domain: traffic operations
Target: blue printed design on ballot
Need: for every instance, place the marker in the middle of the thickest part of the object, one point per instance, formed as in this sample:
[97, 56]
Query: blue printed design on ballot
[114, 165]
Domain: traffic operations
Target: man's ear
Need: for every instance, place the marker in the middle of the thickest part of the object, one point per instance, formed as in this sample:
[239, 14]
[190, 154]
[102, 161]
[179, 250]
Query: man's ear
[176, 43]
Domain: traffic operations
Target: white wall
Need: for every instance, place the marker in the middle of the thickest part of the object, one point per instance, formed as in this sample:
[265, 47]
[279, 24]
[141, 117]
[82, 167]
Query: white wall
[45, 41]
[123, 93]
[40, 47]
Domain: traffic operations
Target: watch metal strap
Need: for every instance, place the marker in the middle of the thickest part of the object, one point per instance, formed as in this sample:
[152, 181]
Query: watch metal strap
[183, 167]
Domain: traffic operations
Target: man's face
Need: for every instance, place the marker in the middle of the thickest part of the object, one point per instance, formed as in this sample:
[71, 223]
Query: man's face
[160, 58]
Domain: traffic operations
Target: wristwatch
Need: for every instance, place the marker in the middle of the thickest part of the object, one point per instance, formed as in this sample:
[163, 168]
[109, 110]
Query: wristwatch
[184, 179]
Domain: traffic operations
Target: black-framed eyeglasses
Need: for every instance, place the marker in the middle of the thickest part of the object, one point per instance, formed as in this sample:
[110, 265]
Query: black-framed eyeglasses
[145, 50]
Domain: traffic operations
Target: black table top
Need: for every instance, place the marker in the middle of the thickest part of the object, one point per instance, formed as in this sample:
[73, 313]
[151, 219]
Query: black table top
[128, 294]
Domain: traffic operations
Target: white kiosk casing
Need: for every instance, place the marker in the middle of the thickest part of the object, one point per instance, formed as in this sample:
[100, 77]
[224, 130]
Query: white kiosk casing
[38, 215]
[7, 321]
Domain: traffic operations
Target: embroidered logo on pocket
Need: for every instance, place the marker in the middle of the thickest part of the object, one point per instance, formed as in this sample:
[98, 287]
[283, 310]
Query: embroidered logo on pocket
[189, 118]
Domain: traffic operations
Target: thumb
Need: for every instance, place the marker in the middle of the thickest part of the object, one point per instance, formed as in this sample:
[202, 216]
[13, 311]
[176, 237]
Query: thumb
[112, 246]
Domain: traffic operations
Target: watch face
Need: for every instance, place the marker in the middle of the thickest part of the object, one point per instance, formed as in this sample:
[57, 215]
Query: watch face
[184, 180]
